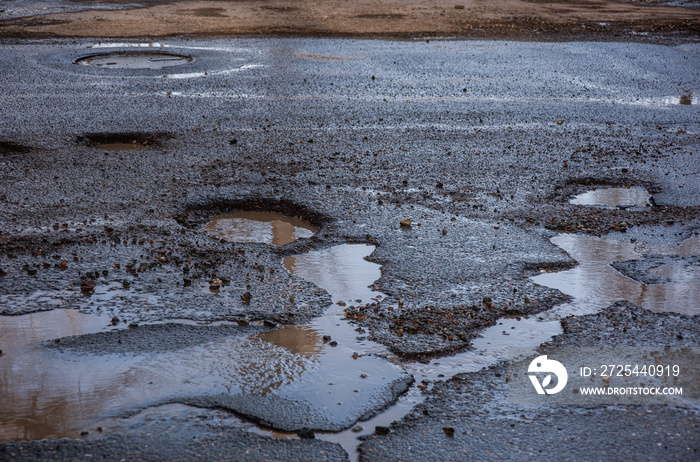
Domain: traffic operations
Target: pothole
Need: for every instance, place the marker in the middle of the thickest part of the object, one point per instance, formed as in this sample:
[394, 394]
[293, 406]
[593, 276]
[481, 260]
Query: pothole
[134, 60]
[325, 374]
[264, 227]
[10, 147]
[596, 284]
[614, 197]
[121, 141]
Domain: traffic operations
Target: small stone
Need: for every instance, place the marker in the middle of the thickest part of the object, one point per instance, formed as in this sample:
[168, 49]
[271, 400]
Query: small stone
[88, 286]
[381, 430]
[243, 322]
[267, 323]
[126, 284]
[84, 433]
[115, 321]
[306, 433]
[406, 223]
[449, 431]
[333, 343]
[217, 281]
[326, 338]
[133, 325]
[245, 298]
[357, 429]
[214, 287]
[63, 265]
[187, 282]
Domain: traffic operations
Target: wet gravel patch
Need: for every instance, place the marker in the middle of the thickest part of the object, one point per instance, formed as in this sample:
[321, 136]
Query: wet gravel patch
[652, 269]
[430, 331]
[295, 415]
[142, 274]
[625, 324]
[153, 339]
[470, 414]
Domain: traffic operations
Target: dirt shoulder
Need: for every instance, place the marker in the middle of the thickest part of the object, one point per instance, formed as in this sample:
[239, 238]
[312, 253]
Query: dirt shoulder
[524, 19]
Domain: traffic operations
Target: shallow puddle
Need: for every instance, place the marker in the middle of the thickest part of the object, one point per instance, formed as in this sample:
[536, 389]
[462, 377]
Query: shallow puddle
[134, 60]
[122, 146]
[40, 397]
[264, 227]
[325, 371]
[595, 284]
[614, 197]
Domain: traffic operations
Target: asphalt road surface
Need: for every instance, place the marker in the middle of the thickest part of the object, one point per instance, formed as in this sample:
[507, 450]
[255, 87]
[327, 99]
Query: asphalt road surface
[481, 144]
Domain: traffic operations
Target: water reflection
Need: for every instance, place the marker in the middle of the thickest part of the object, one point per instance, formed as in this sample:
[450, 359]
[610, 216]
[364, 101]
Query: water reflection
[51, 393]
[265, 227]
[614, 197]
[595, 284]
[41, 394]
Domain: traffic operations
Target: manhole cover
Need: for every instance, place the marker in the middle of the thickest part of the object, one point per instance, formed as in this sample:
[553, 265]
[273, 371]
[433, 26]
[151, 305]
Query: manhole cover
[134, 60]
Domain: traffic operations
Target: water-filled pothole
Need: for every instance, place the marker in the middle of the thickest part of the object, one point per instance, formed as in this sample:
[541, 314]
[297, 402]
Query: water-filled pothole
[265, 227]
[121, 141]
[10, 147]
[614, 197]
[325, 371]
[595, 284]
[134, 60]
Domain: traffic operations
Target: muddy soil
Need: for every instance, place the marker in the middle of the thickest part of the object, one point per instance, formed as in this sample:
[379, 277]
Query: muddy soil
[523, 19]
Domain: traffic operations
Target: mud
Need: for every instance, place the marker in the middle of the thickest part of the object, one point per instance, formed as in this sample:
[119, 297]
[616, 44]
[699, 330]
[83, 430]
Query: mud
[538, 20]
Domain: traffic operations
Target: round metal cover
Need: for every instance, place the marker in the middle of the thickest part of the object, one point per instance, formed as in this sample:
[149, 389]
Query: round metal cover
[134, 60]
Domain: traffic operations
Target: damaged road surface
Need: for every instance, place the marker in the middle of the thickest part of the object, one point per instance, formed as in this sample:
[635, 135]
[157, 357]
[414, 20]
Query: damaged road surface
[292, 249]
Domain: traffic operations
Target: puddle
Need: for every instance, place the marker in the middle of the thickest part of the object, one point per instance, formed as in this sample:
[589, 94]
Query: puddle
[614, 197]
[296, 372]
[264, 227]
[134, 60]
[324, 372]
[41, 397]
[121, 141]
[595, 284]
[122, 146]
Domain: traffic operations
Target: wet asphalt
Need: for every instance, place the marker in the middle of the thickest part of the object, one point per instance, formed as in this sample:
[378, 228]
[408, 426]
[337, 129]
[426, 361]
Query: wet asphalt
[481, 144]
